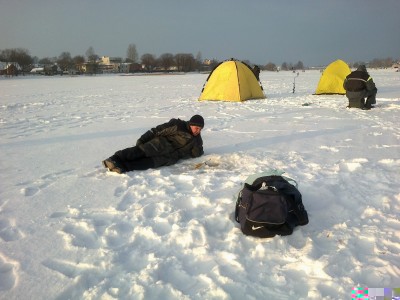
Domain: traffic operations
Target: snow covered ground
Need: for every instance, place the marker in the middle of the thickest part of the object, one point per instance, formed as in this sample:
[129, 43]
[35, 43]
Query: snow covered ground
[71, 230]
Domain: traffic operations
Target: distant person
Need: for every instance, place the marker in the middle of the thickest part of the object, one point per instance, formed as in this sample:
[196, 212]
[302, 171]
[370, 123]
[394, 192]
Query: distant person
[163, 145]
[359, 85]
[256, 71]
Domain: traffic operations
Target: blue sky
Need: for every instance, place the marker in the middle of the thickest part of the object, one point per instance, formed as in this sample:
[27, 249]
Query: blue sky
[315, 32]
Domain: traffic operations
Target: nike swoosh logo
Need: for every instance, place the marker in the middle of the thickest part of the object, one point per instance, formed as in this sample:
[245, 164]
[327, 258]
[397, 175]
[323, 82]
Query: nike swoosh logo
[255, 228]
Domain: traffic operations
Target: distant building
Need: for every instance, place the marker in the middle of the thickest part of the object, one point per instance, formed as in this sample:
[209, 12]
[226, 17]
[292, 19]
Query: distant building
[124, 67]
[38, 70]
[87, 68]
[51, 70]
[135, 67]
[110, 64]
[9, 68]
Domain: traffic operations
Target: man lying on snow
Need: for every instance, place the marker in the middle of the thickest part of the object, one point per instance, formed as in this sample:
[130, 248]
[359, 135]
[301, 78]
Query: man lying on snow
[163, 145]
[359, 85]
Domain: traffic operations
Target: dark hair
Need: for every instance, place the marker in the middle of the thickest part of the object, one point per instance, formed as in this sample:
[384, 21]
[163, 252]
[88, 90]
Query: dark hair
[197, 120]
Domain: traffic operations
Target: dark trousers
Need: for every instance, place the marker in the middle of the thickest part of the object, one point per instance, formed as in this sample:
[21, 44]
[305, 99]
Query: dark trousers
[371, 98]
[361, 99]
[133, 158]
[358, 103]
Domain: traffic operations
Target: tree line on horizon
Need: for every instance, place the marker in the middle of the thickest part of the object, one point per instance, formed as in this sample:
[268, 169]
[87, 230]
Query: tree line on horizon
[185, 62]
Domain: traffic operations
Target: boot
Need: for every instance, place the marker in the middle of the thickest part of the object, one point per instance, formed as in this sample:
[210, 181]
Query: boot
[113, 165]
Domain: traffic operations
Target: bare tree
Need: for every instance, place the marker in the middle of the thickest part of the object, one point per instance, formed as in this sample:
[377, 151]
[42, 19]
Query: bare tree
[388, 62]
[64, 61]
[166, 61]
[46, 61]
[199, 60]
[286, 66]
[214, 63]
[185, 62]
[131, 54]
[299, 65]
[91, 55]
[381, 63]
[270, 67]
[19, 55]
[149, 60]
[79, 59]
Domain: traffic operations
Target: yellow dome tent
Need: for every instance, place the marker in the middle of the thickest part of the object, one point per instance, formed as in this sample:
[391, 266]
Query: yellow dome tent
[332, 78]
[232, 80]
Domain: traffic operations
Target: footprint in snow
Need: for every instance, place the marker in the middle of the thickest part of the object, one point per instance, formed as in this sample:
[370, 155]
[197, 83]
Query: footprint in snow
[9, 231]
[8, 273]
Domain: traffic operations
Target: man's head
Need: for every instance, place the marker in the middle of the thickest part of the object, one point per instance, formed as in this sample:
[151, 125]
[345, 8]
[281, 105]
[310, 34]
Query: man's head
[196, 124]
[362, 68]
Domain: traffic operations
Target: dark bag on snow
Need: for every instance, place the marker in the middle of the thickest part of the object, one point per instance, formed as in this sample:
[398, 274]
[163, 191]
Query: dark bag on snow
[270, 206]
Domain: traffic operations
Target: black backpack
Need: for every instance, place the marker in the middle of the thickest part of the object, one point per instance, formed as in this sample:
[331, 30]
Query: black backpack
[270, 206]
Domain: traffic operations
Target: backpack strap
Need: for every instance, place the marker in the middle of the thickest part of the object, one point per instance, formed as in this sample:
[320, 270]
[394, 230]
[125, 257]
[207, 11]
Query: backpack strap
[238, 200]
[291, 180]
[270, 172]
[253, 188]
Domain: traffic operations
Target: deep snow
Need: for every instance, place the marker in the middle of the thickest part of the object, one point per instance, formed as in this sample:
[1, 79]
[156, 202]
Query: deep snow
[71, 230]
